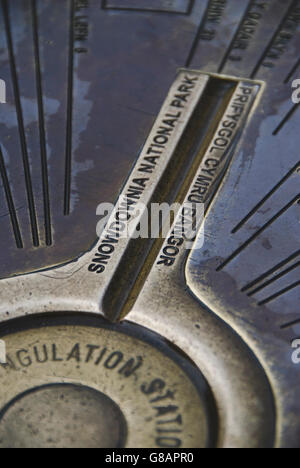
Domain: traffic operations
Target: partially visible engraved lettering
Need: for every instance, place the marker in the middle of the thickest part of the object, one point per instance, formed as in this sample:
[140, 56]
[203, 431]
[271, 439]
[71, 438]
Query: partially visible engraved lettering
[213, 18]
[283, 38]
[247, 30]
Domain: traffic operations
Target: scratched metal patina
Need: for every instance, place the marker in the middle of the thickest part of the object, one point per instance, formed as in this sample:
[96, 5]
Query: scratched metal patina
[84, 84]
[248, 271]
[86, 80]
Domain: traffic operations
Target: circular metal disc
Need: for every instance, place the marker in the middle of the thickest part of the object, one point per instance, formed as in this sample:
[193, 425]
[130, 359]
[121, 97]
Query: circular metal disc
[73, 382]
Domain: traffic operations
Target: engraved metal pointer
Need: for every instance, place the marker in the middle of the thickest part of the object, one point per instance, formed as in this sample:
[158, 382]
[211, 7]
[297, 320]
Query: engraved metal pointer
[194, 139]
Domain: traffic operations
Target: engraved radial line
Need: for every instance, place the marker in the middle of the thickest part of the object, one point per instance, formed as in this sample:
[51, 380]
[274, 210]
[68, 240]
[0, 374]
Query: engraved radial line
[274, 279]
[290, 324]
[293, 70]
[10, 203]
[280, 293]
[260, 61]
[197, 38]
[285, 119]
[44, 161]
[225, 58]
[260, 231]
[191, 7]
[68, 166]
[271, 271]
[142, 9]
[28, 181]
[187, 152]
[261, 203]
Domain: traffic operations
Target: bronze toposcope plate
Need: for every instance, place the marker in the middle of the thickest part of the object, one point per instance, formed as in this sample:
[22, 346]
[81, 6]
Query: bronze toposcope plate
[113, 341]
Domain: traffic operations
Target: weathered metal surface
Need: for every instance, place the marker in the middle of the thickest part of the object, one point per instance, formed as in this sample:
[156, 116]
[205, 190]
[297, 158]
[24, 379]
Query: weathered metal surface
[86, 80]
[137, 391]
